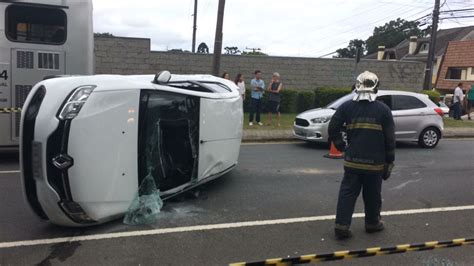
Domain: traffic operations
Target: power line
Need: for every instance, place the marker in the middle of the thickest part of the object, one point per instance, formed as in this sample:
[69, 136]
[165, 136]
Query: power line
[384, 19]
[456, 17]
[358, 27]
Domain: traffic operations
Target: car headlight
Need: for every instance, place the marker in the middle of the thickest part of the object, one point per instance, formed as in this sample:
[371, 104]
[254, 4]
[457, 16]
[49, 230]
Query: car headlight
[321, 120]
[74, 104]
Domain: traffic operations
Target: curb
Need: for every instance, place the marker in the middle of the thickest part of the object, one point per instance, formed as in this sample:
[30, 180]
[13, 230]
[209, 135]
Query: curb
[250, 136]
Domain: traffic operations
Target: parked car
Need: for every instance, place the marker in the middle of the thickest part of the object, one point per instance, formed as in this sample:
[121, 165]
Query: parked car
[416, 118]
[87, 142]
[444, 108]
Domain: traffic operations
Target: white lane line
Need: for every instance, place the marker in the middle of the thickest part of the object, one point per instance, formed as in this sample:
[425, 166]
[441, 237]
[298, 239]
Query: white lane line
[271, 143]
[10, 172]
[217, 226]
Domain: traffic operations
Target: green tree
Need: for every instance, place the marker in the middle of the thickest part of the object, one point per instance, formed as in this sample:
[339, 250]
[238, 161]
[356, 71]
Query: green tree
[103, 34]
[257, 53]
[392, 33]
[232, 50]
[351, 50]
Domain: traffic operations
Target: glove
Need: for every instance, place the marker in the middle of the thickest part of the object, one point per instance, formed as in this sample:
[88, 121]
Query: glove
[387, 170]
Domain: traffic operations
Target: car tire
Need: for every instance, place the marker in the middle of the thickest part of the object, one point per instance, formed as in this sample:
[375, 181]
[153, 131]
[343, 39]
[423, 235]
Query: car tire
[429, 138]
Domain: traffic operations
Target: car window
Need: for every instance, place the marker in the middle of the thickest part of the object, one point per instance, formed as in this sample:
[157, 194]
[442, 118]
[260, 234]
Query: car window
[386, 99]
[202, 86]
[35, 24]
[405, 102]
[335, 104]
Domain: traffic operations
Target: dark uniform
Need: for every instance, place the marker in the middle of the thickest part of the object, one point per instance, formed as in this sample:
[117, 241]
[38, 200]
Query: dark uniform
[370, 150]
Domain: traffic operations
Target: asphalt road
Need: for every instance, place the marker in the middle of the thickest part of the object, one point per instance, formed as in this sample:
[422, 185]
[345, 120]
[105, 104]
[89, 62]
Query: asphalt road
[272, 181]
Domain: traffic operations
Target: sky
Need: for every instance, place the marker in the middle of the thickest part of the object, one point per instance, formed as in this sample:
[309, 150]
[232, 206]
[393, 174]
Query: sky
[305, 28]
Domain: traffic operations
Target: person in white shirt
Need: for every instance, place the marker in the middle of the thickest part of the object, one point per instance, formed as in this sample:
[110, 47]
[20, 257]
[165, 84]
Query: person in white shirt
[458, 98]
[240, 82]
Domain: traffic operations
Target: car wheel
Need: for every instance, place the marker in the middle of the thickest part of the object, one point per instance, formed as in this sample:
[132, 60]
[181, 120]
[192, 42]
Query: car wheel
[429, 138]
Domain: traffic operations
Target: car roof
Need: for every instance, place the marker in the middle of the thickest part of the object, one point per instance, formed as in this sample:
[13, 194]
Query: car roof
[394, 92]
[139, 82]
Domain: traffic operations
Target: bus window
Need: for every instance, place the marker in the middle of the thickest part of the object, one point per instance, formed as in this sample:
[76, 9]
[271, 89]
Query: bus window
[32, 24]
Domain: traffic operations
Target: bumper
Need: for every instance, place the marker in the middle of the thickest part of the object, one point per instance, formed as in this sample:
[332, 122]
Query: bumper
[313, 132]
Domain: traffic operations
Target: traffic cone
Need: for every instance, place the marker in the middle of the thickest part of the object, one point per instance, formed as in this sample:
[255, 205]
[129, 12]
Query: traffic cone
[334, 153]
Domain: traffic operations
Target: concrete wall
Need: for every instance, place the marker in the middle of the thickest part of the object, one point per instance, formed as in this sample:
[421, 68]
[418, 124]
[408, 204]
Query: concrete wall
[133, 56]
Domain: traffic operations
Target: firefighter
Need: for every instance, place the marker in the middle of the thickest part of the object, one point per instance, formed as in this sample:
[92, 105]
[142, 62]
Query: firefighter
[369, 154]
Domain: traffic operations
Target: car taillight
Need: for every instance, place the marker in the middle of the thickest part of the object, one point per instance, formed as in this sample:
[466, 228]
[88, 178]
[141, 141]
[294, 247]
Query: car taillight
[439, 111]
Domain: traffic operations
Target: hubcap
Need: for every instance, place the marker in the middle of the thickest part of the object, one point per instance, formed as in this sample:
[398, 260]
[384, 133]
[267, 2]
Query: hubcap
[430, 138]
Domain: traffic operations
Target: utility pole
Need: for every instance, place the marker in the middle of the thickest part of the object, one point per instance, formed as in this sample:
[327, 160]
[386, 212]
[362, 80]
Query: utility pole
[194, 25]
[216, 62]
[427, 85]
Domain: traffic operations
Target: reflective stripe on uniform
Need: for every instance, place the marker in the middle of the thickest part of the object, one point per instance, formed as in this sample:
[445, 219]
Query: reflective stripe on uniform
[364, 126]
[363, 166]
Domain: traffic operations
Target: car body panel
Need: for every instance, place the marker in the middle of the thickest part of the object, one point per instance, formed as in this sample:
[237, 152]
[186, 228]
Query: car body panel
[220, 132]
[103, 143]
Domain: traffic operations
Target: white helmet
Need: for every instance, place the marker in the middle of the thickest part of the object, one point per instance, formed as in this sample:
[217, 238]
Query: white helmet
[366, 87]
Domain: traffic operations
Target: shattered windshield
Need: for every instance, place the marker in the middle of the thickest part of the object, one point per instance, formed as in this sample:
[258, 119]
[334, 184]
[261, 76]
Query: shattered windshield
[168, 138]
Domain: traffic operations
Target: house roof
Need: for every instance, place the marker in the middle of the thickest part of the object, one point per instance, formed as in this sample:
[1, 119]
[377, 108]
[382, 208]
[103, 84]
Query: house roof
[458, 54]
[443, 37]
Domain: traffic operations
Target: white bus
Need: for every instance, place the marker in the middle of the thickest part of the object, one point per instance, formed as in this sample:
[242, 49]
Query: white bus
[39, 39]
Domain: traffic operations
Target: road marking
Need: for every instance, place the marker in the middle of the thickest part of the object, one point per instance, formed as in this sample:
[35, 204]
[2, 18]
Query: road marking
[217, 227]
[271, 143]
[10, 172]
[404, 184]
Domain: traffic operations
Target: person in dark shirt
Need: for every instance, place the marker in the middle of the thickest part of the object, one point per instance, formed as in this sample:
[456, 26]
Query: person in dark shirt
[274, 98]
[369, 154]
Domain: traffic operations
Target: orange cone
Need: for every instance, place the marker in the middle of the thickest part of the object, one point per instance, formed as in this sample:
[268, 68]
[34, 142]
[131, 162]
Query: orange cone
[334, 153]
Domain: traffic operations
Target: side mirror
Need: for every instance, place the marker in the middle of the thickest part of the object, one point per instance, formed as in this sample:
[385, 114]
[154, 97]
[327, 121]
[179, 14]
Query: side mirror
[162, 77]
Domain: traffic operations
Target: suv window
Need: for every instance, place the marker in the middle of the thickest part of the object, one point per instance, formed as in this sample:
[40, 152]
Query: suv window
[404, 102]
[386, 99]
[32, 24]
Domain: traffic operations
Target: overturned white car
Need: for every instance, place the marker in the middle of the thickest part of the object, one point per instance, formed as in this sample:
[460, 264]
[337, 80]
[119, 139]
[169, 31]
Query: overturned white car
[87, 142]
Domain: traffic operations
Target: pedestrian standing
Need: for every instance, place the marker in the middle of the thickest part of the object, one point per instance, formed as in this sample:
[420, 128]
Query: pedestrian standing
[274, 98]
[226, 75]
[458, 98]
[470, 101]
[240, 82]
[369, 154]
[257, 86]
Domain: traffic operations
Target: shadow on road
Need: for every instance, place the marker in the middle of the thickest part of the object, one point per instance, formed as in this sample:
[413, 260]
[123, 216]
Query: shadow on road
[313, 145]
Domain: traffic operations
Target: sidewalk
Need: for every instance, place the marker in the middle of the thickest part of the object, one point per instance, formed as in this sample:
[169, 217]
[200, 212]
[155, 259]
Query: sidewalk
[257, 135]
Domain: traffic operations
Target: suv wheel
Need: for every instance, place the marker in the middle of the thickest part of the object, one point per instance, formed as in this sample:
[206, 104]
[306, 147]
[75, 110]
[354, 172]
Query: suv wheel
[429, 138]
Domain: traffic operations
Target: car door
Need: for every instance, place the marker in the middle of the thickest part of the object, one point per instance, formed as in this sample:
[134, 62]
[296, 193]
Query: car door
[408, 112]
[387, 100]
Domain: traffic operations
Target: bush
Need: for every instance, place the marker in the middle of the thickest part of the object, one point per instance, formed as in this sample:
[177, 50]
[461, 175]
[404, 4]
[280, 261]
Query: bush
[434, 96]
[288, 100]
[324, 96]
[304, 101]
[296, 101]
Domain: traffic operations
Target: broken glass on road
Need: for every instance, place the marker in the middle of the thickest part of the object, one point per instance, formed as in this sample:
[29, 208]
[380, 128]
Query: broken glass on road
[146, 204]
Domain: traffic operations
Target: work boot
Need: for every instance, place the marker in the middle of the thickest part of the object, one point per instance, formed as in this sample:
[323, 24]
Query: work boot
[374, 228]
[342, 232]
